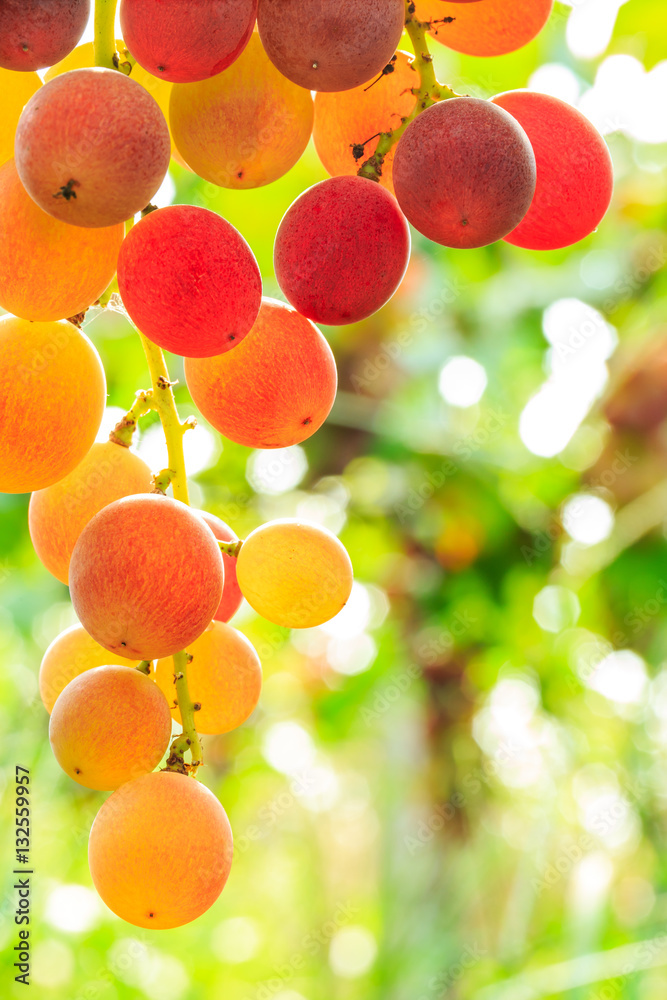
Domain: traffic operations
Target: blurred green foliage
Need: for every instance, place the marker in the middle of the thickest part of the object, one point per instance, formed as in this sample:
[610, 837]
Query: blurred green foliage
[458, 789]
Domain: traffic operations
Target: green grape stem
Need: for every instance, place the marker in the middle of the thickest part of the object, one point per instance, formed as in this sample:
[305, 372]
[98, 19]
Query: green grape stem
[123, 432]
[189, 738]
[162, 399]
[165, 404]
[427, 93]
[230, 548]
[104, 40]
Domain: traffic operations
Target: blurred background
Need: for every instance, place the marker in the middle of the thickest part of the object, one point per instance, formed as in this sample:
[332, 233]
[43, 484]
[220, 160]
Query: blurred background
[457, 788]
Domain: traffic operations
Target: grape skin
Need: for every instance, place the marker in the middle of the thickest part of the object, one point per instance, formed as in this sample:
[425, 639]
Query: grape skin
[70, 653]
[464, 173]
[160, 850]
[47, 429]
[341, 250]
[109, 725]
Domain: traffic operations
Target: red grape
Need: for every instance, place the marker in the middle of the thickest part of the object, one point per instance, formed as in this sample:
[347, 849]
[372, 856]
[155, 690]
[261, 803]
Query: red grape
[574, 171]
[341, 250]
[39, 33]
[185, 42]
[331, 44]
[231, 598]
[464, 173]
[189, 281]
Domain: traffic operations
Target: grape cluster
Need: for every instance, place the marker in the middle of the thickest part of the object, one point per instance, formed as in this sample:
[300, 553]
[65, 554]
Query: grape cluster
[154, 582]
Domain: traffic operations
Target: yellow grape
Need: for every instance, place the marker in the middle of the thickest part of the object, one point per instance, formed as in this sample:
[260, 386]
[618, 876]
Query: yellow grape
[160, 850]
[224, 678]
[70, 654]
[52, 397]
[16, 89]
[244, 127]
[294, 574]
[109, 725]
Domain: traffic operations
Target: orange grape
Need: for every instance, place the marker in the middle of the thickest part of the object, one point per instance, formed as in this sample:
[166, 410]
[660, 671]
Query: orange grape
[160, 850]
[224, 678]
[245, 127]
[275, 388]
[352, 116]
[70, 653]
[58, 514]
[487, 28]
[146, 576]
[17, 89]
[92, 147]
[109, 725]
[294, 574]
[52, 396]
[49, 270]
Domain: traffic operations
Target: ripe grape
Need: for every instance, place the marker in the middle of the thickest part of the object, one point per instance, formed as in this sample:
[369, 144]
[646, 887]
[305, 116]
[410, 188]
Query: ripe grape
[464, 174]
[275, 389]
[49, 270]
[352, 116]
[58, 514]
[38, 33]
[231, 598]
[17, 89]
[109, 725]
[92, 147]
[83, 56]
[575, 175]
[187, 41]
[294, 574]
[189, 281]
[488, 28]
[70, 653]
[160, 850]
[146, 576]
[341, 250]
[46, 427]
[245, 127]
[333, 44]
[224, 678]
